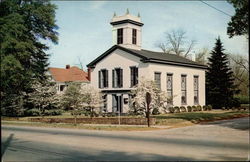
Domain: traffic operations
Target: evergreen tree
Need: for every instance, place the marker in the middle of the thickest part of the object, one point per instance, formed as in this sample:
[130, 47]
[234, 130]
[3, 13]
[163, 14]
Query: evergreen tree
[23, 24]
[220, 86]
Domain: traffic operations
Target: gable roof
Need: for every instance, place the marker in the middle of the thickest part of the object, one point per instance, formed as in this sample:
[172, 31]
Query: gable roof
[70, 74]
[151, 56]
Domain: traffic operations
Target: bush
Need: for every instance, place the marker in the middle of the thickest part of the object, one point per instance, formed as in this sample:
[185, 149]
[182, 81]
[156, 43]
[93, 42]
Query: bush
[183, 109]
[33, 112]
[76, 112]
[242, 99]
[198, 108]
[177, 109]
[204, 107]
[171, 109]
[189, 108]
[194, 108]
[111, 114]
[209, 107]
[155, 111]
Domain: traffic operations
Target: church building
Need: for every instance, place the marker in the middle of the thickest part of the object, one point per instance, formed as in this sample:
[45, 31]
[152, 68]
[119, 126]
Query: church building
[118, 69]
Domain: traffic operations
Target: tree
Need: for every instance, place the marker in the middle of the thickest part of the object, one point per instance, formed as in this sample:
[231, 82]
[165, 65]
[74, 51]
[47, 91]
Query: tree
[240, 68]
[201, 56]
[71, 99]
[91, 99]
[139, 101]
[239, 22]
[23, 24]
[219, 78]
[176, 43]
[44, 96]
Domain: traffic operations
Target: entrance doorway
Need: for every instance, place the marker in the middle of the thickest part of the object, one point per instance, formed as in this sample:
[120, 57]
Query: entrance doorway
[117, 104]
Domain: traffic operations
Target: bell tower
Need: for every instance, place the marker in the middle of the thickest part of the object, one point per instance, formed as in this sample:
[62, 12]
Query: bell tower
[126, 30]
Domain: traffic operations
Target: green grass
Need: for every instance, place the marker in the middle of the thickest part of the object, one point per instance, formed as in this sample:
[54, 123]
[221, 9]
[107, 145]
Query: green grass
[171, 120]
[82, 126]
[197, 117]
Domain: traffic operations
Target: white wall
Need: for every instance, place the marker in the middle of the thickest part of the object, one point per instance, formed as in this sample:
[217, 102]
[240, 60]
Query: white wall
[124, 60]
[127, 35]
[177, 71]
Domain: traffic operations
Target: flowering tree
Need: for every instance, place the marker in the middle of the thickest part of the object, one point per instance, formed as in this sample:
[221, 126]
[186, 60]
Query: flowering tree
[44, 95]
[158, 97]
[91, 99]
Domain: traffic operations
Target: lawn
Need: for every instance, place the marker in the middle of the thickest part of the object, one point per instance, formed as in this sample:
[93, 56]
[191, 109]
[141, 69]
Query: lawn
[167, 120]
[190, 118]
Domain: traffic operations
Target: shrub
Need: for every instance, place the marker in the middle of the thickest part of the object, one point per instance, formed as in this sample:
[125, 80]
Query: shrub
[33, 112]
[204, 107]
[171, 109]
[189, 108]
[198, 108]
[194, 108]
[209, 107]
[183, 109]
[76, 112]
[242, 99]
[155, 111]
[176, 109]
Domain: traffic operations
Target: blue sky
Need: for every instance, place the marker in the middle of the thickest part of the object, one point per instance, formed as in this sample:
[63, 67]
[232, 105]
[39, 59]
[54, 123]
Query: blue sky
[85, 32]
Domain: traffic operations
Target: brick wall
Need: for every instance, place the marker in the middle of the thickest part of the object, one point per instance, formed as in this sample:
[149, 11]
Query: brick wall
[124, 121]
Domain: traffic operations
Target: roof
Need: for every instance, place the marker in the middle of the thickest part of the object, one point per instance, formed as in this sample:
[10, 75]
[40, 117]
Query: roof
[151, 56]
[70, 74]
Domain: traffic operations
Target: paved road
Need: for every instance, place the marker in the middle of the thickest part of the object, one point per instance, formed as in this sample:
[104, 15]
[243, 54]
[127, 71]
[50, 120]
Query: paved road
[224, 140]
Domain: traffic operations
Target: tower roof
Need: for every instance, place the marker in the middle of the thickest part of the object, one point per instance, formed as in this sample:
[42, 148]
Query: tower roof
[127, 18]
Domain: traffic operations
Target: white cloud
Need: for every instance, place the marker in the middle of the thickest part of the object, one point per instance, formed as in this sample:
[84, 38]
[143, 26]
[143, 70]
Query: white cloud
[97, 4]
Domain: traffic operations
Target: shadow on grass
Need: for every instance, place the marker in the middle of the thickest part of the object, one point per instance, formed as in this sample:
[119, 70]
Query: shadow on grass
[6, 144]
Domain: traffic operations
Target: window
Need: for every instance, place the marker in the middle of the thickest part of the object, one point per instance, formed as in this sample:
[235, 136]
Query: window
[117, 78]
[103, 78]
[133, 76]
[134, 36]
[170, 87]
[183, 89]
[104, 97]
[120, 36]
[158, 79]
[196, 90]
[62, 87]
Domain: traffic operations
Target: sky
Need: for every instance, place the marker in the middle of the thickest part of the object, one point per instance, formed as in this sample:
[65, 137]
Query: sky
[85, 30]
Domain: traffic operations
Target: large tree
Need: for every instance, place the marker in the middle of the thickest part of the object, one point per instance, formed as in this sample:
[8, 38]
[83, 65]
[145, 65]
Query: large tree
[23, 24]
[239, 22]
[219, 78]
[176, 42]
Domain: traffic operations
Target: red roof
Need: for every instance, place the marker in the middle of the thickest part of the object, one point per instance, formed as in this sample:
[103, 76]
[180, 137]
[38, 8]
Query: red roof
[70, 74]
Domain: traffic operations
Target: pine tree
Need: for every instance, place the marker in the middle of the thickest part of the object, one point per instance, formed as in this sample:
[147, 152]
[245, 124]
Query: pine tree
[220, 86]
[23, 24]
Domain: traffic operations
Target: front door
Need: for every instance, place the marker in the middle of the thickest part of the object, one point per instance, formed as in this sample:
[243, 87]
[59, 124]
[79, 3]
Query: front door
[117, 104]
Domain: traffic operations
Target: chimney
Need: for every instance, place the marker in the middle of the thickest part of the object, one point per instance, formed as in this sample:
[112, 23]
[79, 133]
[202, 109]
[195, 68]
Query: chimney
[89, 74]
[67, 66]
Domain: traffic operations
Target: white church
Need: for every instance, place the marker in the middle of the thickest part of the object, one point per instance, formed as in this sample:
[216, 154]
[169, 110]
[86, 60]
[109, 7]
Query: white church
[118, 69]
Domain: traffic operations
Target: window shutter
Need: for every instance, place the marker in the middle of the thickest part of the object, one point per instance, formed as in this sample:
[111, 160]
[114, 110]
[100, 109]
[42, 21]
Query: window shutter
[131, 76]
[99, 78]
[107, 78]
[121, 77]
[136, 75]
[113, 78]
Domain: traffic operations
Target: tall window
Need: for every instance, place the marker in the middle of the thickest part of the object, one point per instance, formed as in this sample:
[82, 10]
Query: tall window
[170, 87]
[103, 78]
[133, 76]
[183, 89]
[158, 79]
[196, 90]
[104, 97]
[134, 36]
[120, 36]
[117, 78]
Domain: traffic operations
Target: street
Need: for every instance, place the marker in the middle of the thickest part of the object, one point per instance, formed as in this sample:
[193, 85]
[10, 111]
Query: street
[221, 140]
